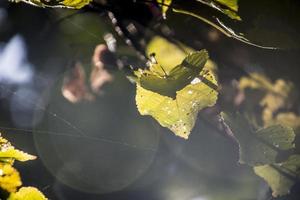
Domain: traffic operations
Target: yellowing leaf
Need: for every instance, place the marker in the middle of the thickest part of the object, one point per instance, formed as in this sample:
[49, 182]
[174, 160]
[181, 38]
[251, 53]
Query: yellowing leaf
[280, 176]
[288, 119]
[167, 54]
[164, 4]
[274, 97]
[257, 147]
[27, 193]
[232, 4]
[15, 154]
[8, 153]
[76, 4]
[167, 83]
[179, 114]
[9, 178]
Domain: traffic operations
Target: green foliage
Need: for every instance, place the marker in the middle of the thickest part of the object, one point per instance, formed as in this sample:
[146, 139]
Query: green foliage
[280, 176]
[76, 4]
[262, 146]
[27, 193]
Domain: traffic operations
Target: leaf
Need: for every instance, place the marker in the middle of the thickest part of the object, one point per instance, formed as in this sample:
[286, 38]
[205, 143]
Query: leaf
[167, 83]
[167, 54]
[179, 114]
[27, 193]
[9, 178]
[8, 153]
[15, 154]
[276, 96]
[288, 119]
[164, 4]
[76, 4]
[258, 147]
[220, 5]
[232, 4]
[280, 176]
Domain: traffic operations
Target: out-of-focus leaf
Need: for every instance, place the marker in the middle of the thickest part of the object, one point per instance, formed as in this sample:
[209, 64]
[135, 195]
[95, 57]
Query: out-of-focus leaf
[232, 4]
[179, 114]
[164, 4]
[8, 153]
[167, 83]
[167, 54]
[27, 193]
[9, 178]
[288, 119]
[227, 7]
[275, 96]
[76, 4]
[259, 147]
[280, 176]
[16, 155]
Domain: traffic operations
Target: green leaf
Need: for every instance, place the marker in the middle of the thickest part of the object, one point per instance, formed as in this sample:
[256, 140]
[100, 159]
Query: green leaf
[27, 193]
[280, 176]
[258, 147]
[9, 178]
[76, 4]
[164, 4]
[179, 114]
[167, 83]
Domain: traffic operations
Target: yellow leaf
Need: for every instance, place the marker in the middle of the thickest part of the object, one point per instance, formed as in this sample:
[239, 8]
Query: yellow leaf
[76, 4]
[179, 114]
[167, 54]
[9, 178]
[27, 193]
[164, 4]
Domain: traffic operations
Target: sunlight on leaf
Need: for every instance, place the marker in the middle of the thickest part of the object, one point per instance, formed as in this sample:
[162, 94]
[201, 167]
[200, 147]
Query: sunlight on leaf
[76, 4]
[179, 114]
[164, 4]
[167, 54]
[280, 176]
[258, 147]
[232, 4]
[167, 83]
[27, 193]
[16, 154]
[8, 153]
[9, 178]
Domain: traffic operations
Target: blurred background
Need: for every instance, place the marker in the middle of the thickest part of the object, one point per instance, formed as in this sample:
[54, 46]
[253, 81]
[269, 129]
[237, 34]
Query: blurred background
[95, 145]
